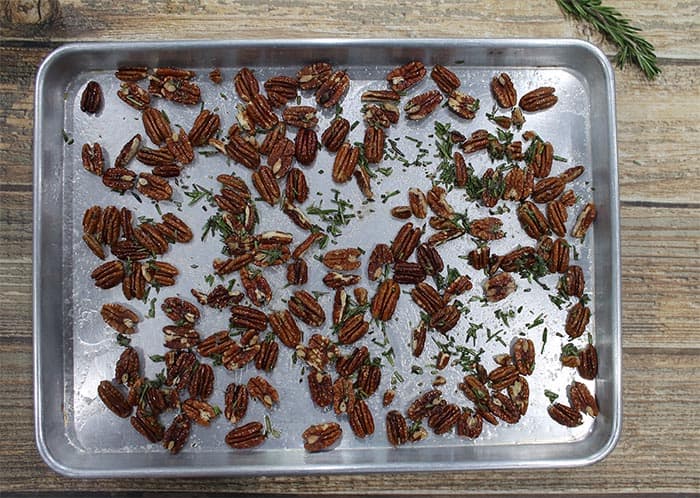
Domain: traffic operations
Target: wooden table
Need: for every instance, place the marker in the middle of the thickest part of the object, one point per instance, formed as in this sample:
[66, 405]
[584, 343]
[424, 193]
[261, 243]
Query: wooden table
[659, 137]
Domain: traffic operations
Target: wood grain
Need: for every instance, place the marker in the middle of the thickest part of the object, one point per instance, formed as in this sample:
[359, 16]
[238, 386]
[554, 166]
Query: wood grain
[659, 184]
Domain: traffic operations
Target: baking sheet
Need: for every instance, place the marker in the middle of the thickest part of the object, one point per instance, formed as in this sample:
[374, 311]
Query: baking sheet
[83, 438]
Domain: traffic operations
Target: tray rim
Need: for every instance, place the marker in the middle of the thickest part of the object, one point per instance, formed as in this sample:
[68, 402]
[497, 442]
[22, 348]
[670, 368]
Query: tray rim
[309, 469]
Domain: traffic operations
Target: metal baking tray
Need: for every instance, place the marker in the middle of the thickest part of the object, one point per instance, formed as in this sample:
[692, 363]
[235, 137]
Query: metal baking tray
[74, 350]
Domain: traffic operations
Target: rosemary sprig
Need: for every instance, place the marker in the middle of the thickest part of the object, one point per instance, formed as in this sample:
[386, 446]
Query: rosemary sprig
[617, 29]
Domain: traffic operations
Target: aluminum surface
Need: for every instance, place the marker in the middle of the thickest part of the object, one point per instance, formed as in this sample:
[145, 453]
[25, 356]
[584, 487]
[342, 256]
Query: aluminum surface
[74, 350]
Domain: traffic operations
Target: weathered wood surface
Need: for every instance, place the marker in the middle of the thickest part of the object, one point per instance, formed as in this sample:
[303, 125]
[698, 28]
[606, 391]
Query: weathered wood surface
[658, 136]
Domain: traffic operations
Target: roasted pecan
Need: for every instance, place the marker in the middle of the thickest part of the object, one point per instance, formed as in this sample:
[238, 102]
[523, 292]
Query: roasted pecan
[128, 367]
[353, 329]
[154, 187]
[421, 105]
[437, 200]
[503, 376]
[160, 273]
[502, 407]
[340, 302]
[134, 95]
[349, 364]
[155, 157]
[445, 319]
[180, 367]
[281, 157]
[401, 212]
[499, 287]
[111, 225]
[462, 104]
[524, 356]
[256, 287]
[134, 282]
[305, 146]
[360, 418]
[493, 187]
[201, 384]
[266, 185]
[557, 216]
[177, 230]
[215, 76]
[319, 352]
[542, 157]
[405, 242]
[320, 388]
[486, 228]
[224, 267]
[334, 136]
[559, 256]
[179, 337]
[388, 397]
[571, 174]
[384, 96]
[297, 216]
[363, 181]
[91, 99]
[343, 395]
[113, 399]
[418, 337]
[180, 147]
[336, 280]
[205, 126]
[236, 402]
[174, 72]
[408, 273]
[246, 436]
[156, 125]
[396, 428]
[519, 394]
[532, 220]
[262, 390]
[198, 411]
[582, 400]
[260, 112]
[96, 246]
[503, 90]
[93, 221]
[380, 116]
[93, 158]
[446, 80]
[108, 275]
[461, 170]
[577, 320]
[246, 84]
[469, 424]
[131, 73]
[479, 257]
[280, 90]
[572, 282]
[385, 300]
[404, 77]
[215, 344]
[128, 151]
[246, 317]
[312, 76]
[151, 238]
[443, 417]
[381, 256]
[584, 220]
[368, 379]
[231, 201]
[321, 436]
[565, 415]
[538, 99]
[176, 434]
[266, 359]
[306, 244]
[241, 151]
[345, 163]
[148, 426]
[374, 144]
[180, 90]
[478, 140]
[297, 272]
[272, 137]
[424, 404]
[305, 307]
[301, 116]
[475, 390]
[429, 259]
[119, 179]
[126, 217]
[418, 202]
[547, 189]
[332, 89]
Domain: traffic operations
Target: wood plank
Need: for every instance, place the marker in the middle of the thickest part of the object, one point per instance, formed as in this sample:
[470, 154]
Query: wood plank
[673, 35]
[658, 450]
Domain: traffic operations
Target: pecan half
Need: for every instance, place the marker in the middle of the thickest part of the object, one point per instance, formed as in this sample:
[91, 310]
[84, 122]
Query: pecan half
[178, 230]
[418, 338]
[156, 125]
[151, 238]
[461, 170]
[119, 179]
[532, 220]
[443, 417]
[538, 99]
[503, 90]
[113, 399]
[445, 319]
[557, 216]
[559, 256]
[96, 246]
[305, 146]
[360, 418]
[280, 90]
[577, 320]
[332, 89]
[205, 126]
[516, 184]
[408, 273]
[353, 329]
[565, 415]
[396, 428]
[478, 140]
[198, 411]
[459, 286]
[417, 202]
[570, 174]
[262, 390]
[462, 104]
[503, 376]
[321, 436]
[475, 390]
[312, 76]
[266, 359]
[215, 344]
[297, 272]
[582, 400]
[343, 395]
[381, 115]
[446, 80]
[547, 189]
[272, 137]
[374, 144]
[345, 163]
[305, 307]
[108, 275]
[91, 99]
[180, 147]
[154, 187]
[235, 402]
[176, 434]
[363, 181]
[93, 158]
[524, 356]
[241, 151]
[368, 379]
[519, 394]
[260, 112]
[401, 212]
[429, 259]
[470, 424]
[334, 136]
[479, 257]
[266, 185]
[502, 407]
[437, 200]
[336, 280]
[301, 116]
[127, 369]
[179, 337]
[405, 242]
[385, 300]
[229, 265]
[424, 404]
[320, 388]
[93, 221]
[422, 105]
[584, 220]
[111, 225]
[148, 426]
[155, 157]
[246, 317]
[380, 257]
[572, 282]
[246, 84]
[404, 77]
[297, 216]
[499, 287]
[486, 228]
[201, 383]
[340, 302]
[246, 436]
[134, 282]
[134, 95]
[384, 96]
[281, 157]
[180, 90]
[128, 151]
[542, 158]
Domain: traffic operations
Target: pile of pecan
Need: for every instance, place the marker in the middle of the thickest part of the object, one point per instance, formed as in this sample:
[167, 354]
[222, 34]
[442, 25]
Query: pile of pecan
[341, 373]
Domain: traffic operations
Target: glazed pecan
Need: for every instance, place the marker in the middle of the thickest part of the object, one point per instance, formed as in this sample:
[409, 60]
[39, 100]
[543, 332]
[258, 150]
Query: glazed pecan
[584, 220]
[479, 257]
[321, 436]
[405, 242]
[475, 390]
[418, 202]
[180, 367]
[424, 404]
[559, 256]
[266, 185]
[582, 400]
[93, 158]
[266, 359]
[538, 99]
[565, 415]
[134, 282]
[156, 125]
[532, 220]
[519, 394]
[422, 105]
[499, 287]
[443, 417]
[91, 99]
[281, 157]
[503, 376]
[368, 379]
[542, 157]
[154, 187]
[201, 383]
[260, 112]
[297, 272]
[180, 90]
[487, 228]
[577, 320]
[572, 282]
[385, 300]
[128, 367]
[108, 275]
[503, 90]
[148, 426]
[306, 308]
[305, 146]
[478, 140]
[205, 126]
[134, 95]
[262, 390]
[547, 189]
[246, 317]
[179, 337]
[470, 424]
[524, 356]
[446, 80]
[396, 428]
[113, 399]
[198, 411]
[418, 337]
[280, 90]
[119, 179]
[404, 77]
[345, 163]
[462, 104]
[502, 407]
[320, 388]
[246, 436]
[332, 89]
[334, 136]
[176, 434]
[312, 76]
[445, 319]
[374, 144]
[235, 402]
[246, 84]
[360, 418]
[557, 216]
[353, 329]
